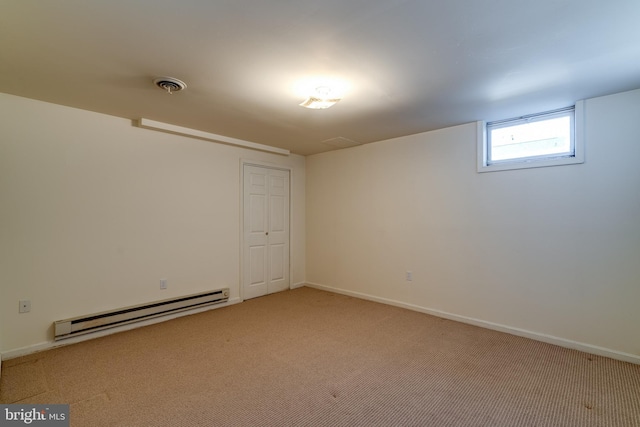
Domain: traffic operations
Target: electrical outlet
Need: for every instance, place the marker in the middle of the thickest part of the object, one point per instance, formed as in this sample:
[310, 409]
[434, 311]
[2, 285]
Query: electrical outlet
[163, 283]
[409, 276]
[25, 306]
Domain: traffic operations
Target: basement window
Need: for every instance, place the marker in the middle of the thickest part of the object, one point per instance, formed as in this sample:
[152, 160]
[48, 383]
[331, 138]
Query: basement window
[550, 138]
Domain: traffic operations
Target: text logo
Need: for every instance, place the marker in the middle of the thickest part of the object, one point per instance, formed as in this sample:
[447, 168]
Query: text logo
[34, 415]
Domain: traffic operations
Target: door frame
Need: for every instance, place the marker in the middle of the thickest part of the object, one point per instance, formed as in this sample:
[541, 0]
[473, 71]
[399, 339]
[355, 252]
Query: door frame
[266, 165]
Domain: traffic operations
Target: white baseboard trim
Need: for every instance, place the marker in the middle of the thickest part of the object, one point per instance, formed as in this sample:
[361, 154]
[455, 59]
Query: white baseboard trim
[549, 339]
[297, 285]
[47, 345]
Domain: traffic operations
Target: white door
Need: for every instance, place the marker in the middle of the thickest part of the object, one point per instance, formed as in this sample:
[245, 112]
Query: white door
[265, 231]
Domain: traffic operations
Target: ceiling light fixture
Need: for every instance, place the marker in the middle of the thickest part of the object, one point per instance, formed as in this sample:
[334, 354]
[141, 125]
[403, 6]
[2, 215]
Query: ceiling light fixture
[170, 84]
[320, 99]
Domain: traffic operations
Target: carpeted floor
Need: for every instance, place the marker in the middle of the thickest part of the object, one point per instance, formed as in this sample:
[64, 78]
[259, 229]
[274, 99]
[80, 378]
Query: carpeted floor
[312, 358]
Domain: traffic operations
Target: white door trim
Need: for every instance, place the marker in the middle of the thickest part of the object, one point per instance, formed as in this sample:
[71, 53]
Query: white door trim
[267, 165]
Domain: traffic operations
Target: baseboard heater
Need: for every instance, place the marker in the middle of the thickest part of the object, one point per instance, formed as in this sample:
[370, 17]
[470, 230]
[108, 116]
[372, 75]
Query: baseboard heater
[108, 319]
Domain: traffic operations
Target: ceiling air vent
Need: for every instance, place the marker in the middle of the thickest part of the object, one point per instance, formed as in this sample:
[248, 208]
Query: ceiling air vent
[170, 84]
[341, 142]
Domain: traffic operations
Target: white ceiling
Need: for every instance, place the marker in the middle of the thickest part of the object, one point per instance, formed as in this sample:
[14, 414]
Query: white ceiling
[407, 66]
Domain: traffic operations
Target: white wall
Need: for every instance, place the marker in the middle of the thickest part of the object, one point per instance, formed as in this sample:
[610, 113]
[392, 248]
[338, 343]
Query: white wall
[94, 212]
[551, 251]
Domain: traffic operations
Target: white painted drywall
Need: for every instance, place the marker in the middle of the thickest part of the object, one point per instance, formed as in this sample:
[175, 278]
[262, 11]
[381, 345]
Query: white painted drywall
[554, 251]
[95, 211]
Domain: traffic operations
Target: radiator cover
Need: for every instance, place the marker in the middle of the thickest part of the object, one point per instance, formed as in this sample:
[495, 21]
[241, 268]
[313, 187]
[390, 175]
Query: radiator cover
[108, 319]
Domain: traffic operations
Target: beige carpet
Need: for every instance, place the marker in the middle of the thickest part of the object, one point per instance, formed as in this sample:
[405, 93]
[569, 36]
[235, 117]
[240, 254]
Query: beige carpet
[312, 358]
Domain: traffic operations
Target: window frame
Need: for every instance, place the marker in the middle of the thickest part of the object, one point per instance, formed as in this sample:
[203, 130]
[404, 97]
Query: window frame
[483, 164]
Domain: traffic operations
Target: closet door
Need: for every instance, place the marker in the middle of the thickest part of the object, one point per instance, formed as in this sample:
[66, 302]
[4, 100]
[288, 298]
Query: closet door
[265, 230]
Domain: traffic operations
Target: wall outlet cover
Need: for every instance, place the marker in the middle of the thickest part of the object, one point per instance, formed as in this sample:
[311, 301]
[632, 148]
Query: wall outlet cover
[25, 306]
